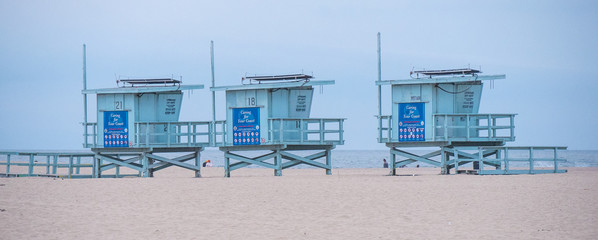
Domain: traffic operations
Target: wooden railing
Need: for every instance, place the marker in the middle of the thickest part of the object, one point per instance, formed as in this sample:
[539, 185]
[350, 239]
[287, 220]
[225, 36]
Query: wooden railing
[306, 130]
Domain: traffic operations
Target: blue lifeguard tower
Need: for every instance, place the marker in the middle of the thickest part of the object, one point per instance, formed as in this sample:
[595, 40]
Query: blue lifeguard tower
[439, 108]
[138, 127]
[272, 113]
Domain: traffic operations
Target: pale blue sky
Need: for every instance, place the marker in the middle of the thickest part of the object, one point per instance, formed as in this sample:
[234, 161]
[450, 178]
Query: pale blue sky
[547, 49]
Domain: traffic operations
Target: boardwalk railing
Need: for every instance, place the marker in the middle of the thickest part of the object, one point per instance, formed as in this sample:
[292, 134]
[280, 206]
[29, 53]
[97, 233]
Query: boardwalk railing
[167, 134]
[306, 130]
[52, 162]
[523, 160]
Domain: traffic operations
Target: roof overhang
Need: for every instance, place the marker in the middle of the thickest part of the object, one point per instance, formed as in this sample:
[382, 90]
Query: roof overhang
[273, 85]
[436, 80]
[142, 89]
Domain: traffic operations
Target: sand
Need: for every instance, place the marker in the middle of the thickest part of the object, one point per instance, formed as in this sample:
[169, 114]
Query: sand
[303, 204]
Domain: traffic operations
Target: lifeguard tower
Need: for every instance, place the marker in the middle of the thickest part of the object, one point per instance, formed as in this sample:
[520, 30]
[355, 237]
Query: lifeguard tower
[439, 108]
[272, 113]
[139, 120]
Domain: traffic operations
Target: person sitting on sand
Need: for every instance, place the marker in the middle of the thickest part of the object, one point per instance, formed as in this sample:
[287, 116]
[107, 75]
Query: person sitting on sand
[207, 163]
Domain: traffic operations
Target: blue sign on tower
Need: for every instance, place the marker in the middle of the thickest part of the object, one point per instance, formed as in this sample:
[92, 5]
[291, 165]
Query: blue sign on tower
[246, 126]
[411, 122]
[116, 129]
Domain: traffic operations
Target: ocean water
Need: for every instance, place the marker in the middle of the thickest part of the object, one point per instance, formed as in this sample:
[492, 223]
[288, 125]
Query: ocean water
[373, 158]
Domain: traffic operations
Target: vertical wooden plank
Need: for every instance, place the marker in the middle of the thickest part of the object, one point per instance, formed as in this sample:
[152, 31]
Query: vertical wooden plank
[78, 165]
[494, 127]
[490, 127]
[198, 163]
[150, 162]
[278, 163]
[281, 132]
[467, 127]
[93, 167]
[55, 164]
[499, 157]
[118, 167]
[145, 165]
[506, 160]
[322, 128]
[141, 163]
[480, 160]
[512, 127]
[98, 164]
[8, 164]
[31, 156]
[226, 164]
[445, 129]
[393, 162]
[531, 160]
[328, 161]
[48, 164]
[70, 166]
[443, 166]
[341, 131]
[556, 169]
[301, 126]
[456, 152]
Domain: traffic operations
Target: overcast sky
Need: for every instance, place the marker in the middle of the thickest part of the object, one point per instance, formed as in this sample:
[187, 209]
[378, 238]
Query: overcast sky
[547, 49]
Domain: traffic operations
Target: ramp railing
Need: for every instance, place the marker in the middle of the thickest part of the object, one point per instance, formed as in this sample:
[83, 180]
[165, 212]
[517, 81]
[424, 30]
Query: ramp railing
[27, 164]
[522, 160]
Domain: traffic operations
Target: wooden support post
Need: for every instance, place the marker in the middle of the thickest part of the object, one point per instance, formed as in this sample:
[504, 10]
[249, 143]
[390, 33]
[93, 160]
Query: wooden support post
[141, 164]
[499, 158]
[78, 165]
[480, 161]
[329, 161]
[70, 166]
[118, 168]
[226, 164]
[475, 160]
[31, 156]
[198, 164]
[55, 165]
[456, 156]
[443, 162]
[506, 160]
[7, 164]
[150, 171]
[145, 166]
[531, 160]
[556, 169]
[48, 164]
[278, 163]
[393, 160]
[93, 166]
[97, 166]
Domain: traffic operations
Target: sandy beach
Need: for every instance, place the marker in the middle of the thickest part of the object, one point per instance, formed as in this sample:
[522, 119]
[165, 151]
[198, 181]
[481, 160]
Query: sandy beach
[303, 204]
